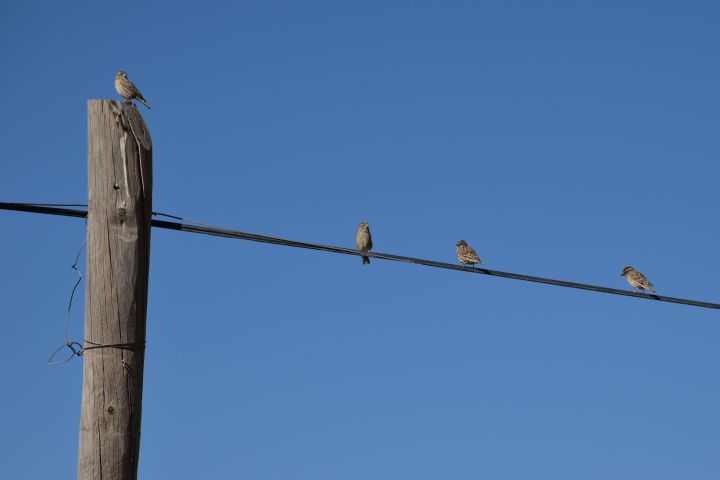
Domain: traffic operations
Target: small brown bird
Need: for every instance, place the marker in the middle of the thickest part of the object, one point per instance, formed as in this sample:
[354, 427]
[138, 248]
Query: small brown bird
[466, 254]
[363, 240]
[637, 279]
[127, 89]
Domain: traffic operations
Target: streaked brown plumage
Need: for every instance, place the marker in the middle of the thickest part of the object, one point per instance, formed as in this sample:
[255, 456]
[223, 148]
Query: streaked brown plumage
[127, 89]
[466, 254]
[637, 279]
[363, 240]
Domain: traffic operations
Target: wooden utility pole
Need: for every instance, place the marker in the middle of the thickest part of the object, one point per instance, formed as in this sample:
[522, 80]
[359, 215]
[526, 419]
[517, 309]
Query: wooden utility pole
[118, 261]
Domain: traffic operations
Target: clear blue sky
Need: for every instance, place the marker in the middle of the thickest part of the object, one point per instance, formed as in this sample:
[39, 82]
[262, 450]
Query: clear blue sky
[561, 139]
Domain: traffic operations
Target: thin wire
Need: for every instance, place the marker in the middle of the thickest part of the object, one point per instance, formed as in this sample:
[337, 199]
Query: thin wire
[57, 204]
[72, 294]
[228, 233]
[123, 346]
[185, 219]
[74, 347]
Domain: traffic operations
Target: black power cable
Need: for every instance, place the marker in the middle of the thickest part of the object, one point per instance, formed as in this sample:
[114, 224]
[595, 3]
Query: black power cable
[228, 233]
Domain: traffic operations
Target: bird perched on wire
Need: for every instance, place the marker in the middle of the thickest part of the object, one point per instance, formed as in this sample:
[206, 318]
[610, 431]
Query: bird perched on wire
[127, 89]
[466, 254]
[637, 279]
[363, 240]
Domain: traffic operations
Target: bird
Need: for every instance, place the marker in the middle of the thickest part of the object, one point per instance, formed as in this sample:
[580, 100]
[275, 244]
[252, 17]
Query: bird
[466, 254]
[127, 88]
[363, 240]
[637, 279]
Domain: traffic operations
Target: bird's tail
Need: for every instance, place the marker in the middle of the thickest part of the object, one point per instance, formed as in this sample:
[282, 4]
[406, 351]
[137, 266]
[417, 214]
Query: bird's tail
[142, 100]
[366, 260]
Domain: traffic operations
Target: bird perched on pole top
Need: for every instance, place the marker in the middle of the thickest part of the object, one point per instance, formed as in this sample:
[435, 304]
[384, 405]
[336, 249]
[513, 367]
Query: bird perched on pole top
[127, 89]
[636, 279]
[466, 254]
[363, 240]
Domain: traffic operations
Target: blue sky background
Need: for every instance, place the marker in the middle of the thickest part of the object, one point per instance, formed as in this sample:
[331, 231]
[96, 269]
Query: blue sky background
[561, 139]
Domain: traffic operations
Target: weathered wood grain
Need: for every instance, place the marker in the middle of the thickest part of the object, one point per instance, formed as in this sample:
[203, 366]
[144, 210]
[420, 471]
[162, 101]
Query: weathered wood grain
[118, 261]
